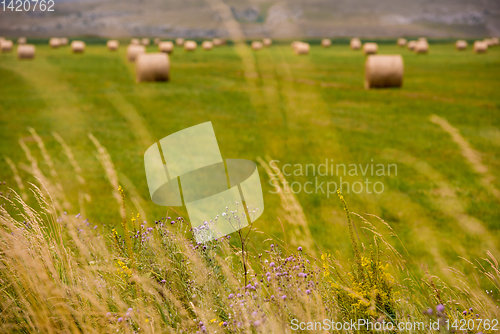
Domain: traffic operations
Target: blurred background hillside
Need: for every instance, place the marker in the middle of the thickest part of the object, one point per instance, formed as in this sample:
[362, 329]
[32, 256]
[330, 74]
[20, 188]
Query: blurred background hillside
[259, 18]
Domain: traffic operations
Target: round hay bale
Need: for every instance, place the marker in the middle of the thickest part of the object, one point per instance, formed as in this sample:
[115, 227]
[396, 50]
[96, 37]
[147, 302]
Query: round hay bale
[257, 45]
[133, 51]
[157, 41]
[135, 41]
[179, 41]
[382, 71]
[421, 47]
[55, 42]
[166, 47]
[64, 41]
[460, 45]
[6, 45]
[402, 42]
[422, 39]
[411, 45]
[26, 51]
[302, 48]
[480, 47]
[78, 46]
[495, 40]
[207, 45]
[355, 44]
[152, 67]
[145, 41]
[267, 42]
[295, 44]
[21, 40]
[370, 48]
[217, 42]
[326, 42]
[112, 45]
[190, 45]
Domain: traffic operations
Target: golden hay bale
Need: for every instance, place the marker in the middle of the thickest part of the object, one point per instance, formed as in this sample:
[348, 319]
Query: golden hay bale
[179, 41]
[326, 42]
[257, 45]
[64, 40]
[145, 41]
[370, 48]
[55, 42]
[411, 45]
[135, 41]
[384, 71]
[157, 41]
[355, 44]
[207, 45]
[302, 48]
[495, 40]
[133, 51]
[460, 45]
[294, 44]
[26, 51]
[190, 45]
[152, 67]
[217, 42]
[78, 46]
[422, 39]
[166, 47]
[21, 40]
[480, 47]
[402, 42]
[112, 45]
[6, 45]
[267, 42]
[421, 47]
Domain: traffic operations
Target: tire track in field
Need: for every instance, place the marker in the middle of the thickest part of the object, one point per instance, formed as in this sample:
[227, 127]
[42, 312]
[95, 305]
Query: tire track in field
[472, 156]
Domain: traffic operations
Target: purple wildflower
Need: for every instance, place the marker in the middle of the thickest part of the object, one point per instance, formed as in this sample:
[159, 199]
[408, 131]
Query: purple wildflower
[231, 296]
[440, 308]
[299, 249]
[120, 319]
[271, 264]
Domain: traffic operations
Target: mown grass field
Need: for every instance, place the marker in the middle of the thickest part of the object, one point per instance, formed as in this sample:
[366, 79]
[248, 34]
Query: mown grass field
[295, 109]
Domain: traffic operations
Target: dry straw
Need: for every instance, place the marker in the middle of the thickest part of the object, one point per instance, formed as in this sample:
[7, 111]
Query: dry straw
[113, 45]
[133, 51]
[166, 47]
[355, 44]
[402, 42]
[152, 67]
[207, 45]
[460, 45]
[190, 45]
[179, 41]
[257, 45]
[55, 42]
[6, 45]
[421, 47]
[370, 48]
[145, 41]
[302, 48]
[326, 42]
[21, 40]
[26, 51]
[78, 46]
[267, 42]
[64, 41]
[383, 71]
[480, 47]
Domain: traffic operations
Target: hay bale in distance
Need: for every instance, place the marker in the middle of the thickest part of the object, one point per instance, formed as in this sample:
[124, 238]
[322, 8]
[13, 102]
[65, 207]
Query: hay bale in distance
[179, 41]
[190, 45]
[411, 45]
[480, 47]
[267, 42]
[370, 48]
[55, 42]
[166, 47]
[135, 41]
[112, 45]
[21, 40]
[78, 46]
[294, 44]
[382, 71]
[145, 41]
[495, 41]
[207, 45]
[257, 45]
[302, 48]
[64, 41]
[422, 39]
[26, 51]
[402, 42]
[421, 47]
[460, 45]
[217, 42]
[6, 45]
[134, 50]
[152, 67]
[157, 41]
[326, 42]
[355, 44]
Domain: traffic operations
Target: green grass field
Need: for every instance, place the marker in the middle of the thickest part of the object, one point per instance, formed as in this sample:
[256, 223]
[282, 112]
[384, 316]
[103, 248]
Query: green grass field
[295, 109]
